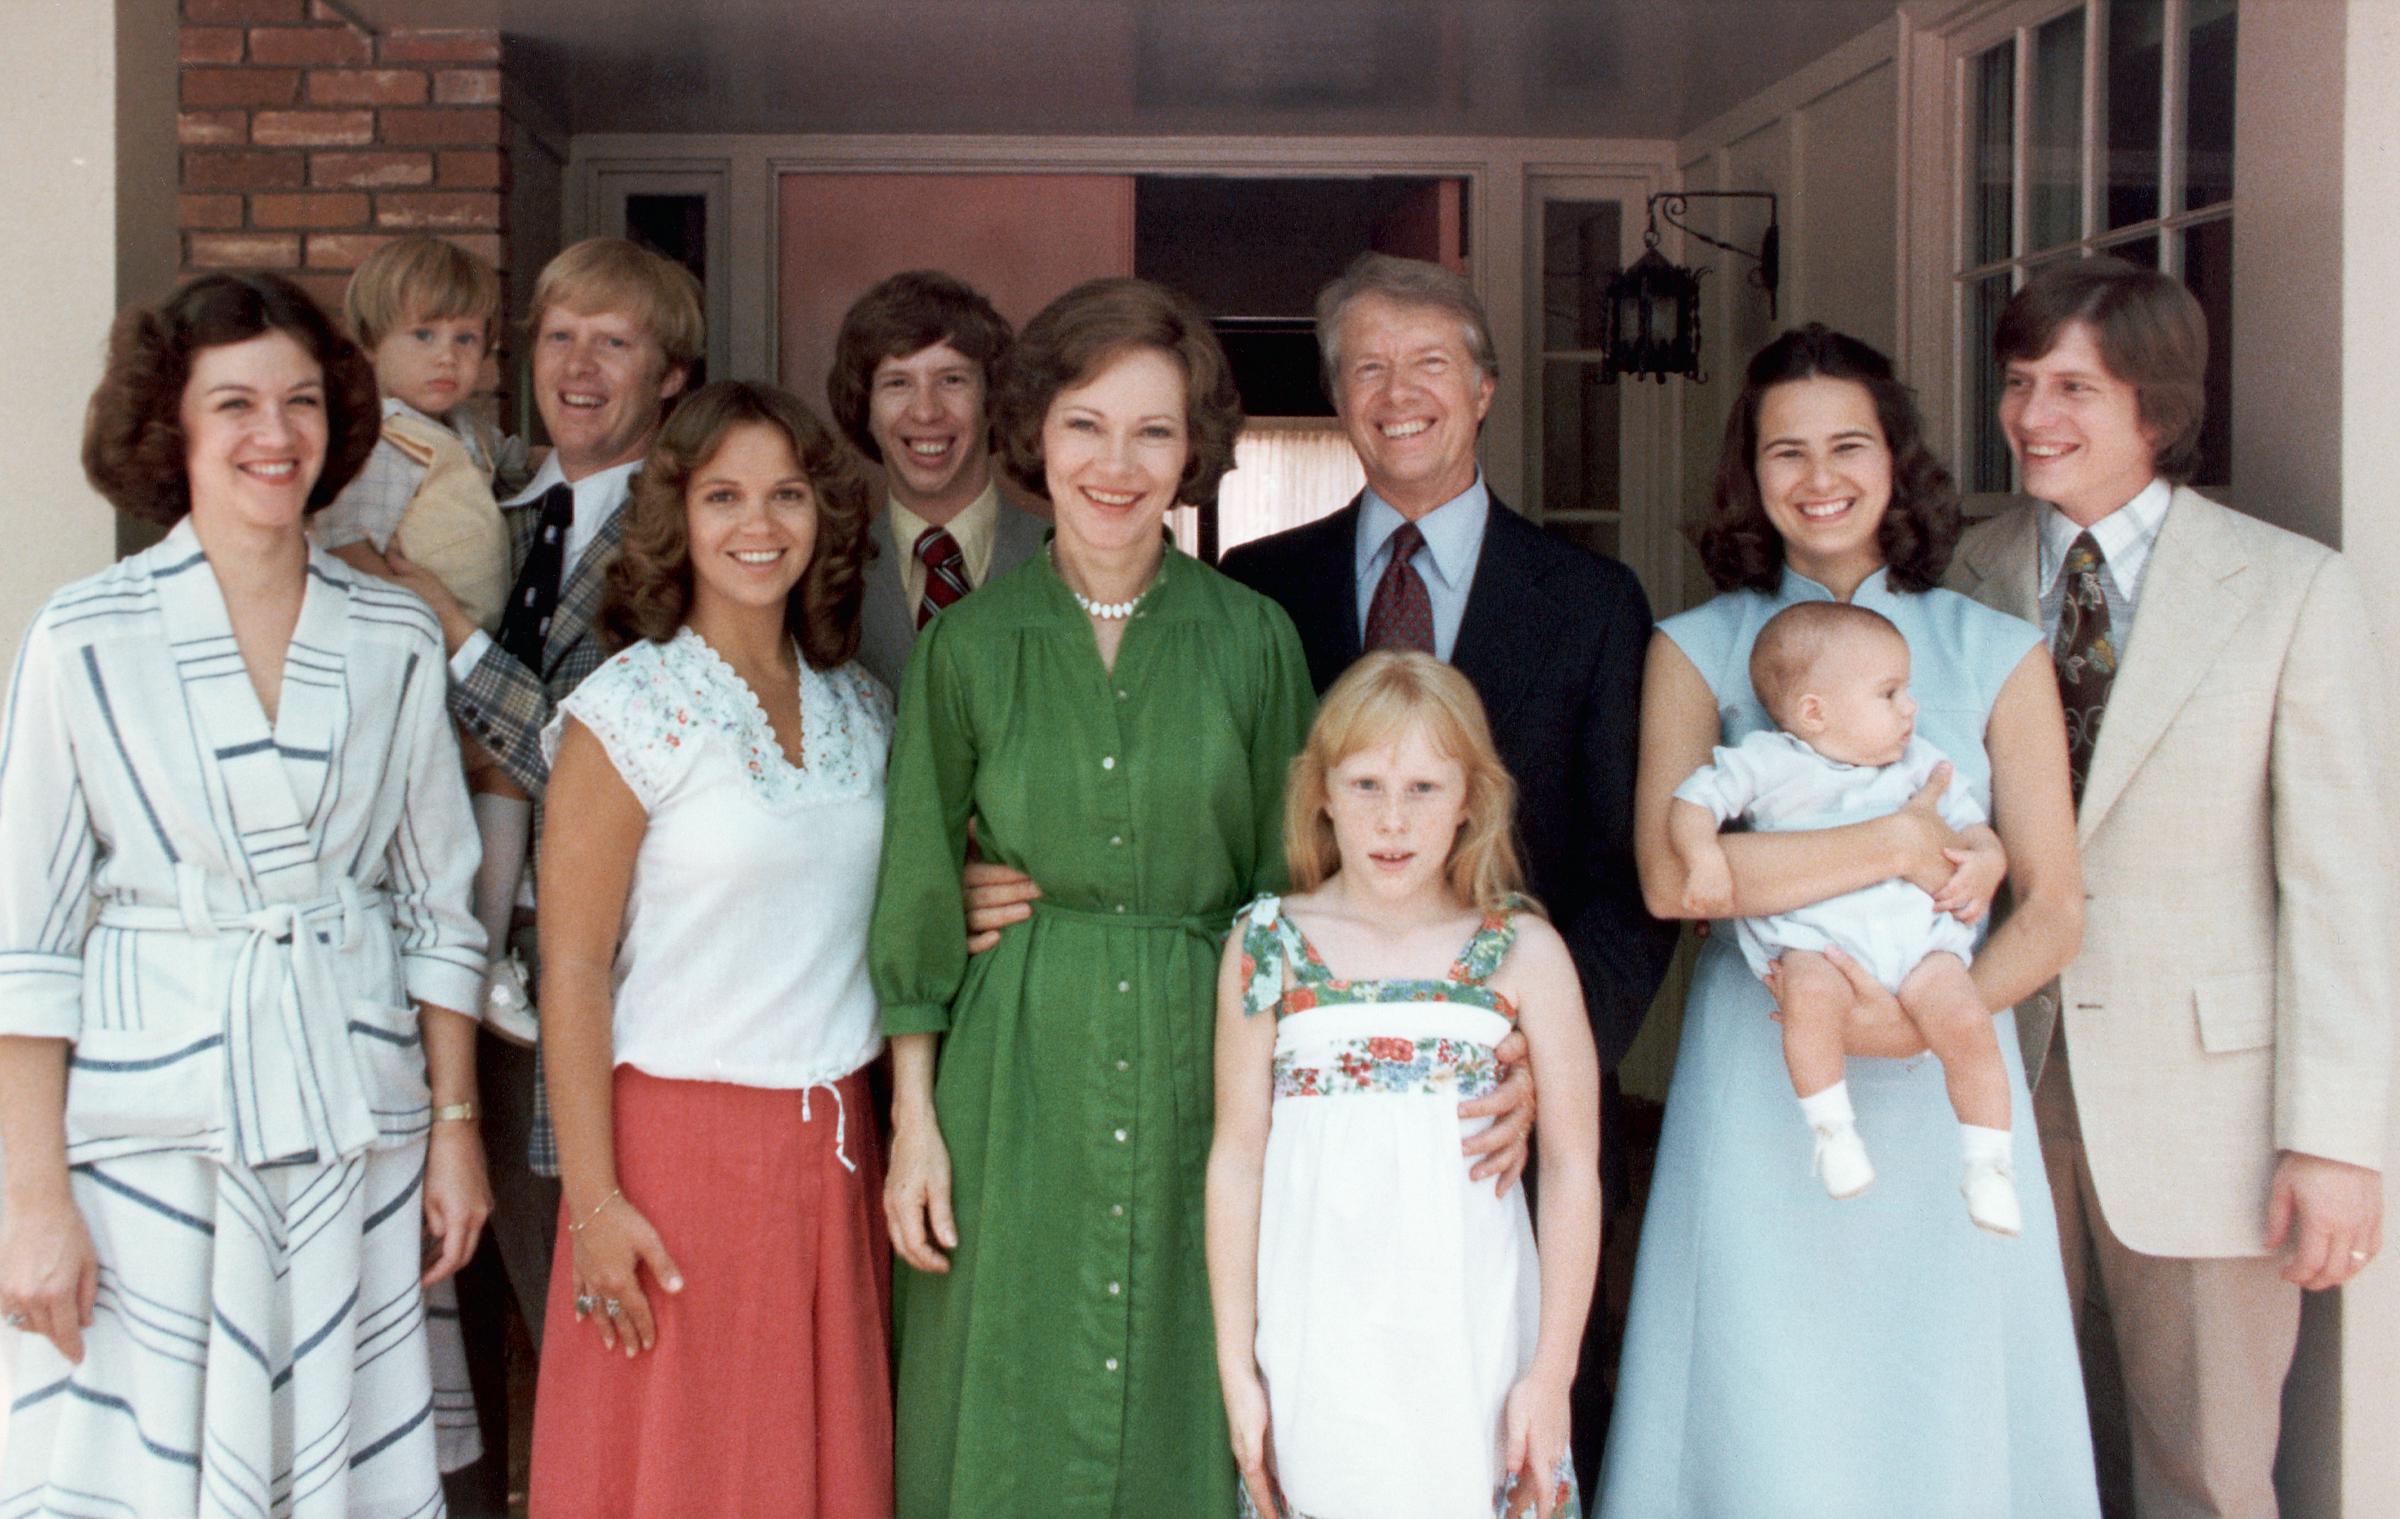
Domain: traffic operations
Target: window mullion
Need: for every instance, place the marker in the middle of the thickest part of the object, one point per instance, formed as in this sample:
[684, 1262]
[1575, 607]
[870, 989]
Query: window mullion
[2173, 86]
[2095, 116]
[2020, 146]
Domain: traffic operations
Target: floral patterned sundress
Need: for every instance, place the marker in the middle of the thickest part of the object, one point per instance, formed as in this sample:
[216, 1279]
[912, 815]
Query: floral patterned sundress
[1398, 1301]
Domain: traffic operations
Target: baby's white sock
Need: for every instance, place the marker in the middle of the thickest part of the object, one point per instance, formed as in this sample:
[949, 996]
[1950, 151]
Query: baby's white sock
[1829, 1109]
[505, 825]
[1991, 1146]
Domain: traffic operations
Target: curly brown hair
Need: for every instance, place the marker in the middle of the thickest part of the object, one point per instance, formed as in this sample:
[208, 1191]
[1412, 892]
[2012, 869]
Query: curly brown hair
[650, 584]
[1739, 547]
[906, 314]
[1074, 337]
[133, 443]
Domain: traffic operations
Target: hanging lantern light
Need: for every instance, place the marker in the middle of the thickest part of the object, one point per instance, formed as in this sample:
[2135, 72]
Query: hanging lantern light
[1651, 310]
[1652, 326]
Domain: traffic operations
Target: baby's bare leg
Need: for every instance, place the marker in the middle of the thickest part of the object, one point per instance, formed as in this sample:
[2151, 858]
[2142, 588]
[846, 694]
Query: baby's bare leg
[1816, 1014]
[1941, 999]
[1816, 1009]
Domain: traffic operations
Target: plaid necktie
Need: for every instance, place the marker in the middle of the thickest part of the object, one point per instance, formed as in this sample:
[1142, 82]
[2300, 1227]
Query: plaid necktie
[1401, 614]
[2085, 652]
[945, 572]
[533, 600]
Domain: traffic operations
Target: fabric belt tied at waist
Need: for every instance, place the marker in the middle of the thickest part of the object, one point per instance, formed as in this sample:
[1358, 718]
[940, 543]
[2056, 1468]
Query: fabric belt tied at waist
[1208, 927]
[293, 1087]
[1189, 1039]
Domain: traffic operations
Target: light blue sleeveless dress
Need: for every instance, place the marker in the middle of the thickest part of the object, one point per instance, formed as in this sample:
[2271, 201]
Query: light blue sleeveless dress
[1788, 1356]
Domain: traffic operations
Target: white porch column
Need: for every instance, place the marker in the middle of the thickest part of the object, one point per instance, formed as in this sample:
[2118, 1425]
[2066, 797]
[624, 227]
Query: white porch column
[88, 180]
[2369, 1326]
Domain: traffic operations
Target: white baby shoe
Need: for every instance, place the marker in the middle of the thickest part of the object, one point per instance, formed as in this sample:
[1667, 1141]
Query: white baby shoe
[507, 1007]
[1990, 1189]
[1841, 1160]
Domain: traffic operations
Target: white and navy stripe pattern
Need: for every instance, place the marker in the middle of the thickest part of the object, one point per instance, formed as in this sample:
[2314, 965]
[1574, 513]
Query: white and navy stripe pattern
[257, 1349]
[229, 920]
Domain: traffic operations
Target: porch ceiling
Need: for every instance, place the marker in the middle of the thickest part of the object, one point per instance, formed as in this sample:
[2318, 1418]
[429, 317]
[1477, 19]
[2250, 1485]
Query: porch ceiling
[1613, 68]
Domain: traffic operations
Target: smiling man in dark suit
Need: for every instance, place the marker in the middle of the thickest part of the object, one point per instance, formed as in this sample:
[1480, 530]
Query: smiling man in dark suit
[1550, 635]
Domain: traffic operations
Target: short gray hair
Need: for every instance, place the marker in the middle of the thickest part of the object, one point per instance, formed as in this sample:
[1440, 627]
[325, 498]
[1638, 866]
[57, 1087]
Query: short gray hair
[1403, 282]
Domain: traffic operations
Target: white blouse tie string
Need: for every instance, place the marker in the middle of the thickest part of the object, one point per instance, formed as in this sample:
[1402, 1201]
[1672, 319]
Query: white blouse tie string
[841, 1120]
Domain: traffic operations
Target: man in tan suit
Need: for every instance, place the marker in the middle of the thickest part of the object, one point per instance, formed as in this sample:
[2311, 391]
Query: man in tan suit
[2211, 1072]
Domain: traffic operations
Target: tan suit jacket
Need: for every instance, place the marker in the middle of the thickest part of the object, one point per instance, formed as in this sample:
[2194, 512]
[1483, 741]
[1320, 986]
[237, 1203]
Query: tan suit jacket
[2232, 999]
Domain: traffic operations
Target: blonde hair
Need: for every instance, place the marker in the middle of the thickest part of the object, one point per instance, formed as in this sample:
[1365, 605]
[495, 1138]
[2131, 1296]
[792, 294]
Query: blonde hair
[419, 278]
[1372, 705]
[611, 274]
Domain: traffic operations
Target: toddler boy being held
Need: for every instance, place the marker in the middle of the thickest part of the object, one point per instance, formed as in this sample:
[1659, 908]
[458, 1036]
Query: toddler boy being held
[425, 311]
[1835, 679]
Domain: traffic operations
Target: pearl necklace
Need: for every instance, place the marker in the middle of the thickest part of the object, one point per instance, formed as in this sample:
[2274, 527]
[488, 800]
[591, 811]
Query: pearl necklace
[1107, 611]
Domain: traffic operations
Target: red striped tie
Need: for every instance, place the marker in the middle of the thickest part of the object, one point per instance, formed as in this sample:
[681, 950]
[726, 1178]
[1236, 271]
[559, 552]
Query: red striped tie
[945, 572]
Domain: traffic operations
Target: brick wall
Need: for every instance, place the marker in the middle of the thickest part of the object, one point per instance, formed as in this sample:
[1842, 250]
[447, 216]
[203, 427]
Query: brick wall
[308, 142]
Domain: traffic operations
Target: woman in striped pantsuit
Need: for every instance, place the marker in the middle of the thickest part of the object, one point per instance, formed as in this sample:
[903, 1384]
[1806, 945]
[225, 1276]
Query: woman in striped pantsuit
[234, 859]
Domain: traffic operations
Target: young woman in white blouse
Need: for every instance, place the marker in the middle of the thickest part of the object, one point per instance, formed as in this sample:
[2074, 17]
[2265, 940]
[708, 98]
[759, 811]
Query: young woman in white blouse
[716, 1320]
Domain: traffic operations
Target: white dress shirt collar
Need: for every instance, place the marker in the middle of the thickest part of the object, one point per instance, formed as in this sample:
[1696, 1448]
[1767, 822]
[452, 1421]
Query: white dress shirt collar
[1453, 536]
[598, 497]
[2125, 537]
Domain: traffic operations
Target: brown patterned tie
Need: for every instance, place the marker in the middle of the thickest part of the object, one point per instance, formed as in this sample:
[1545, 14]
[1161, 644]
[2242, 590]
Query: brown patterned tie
[2085, 652]
[945, 572]
[1401, 614]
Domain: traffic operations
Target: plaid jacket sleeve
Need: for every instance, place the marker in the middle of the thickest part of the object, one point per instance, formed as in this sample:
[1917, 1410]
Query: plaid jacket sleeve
[505, 707]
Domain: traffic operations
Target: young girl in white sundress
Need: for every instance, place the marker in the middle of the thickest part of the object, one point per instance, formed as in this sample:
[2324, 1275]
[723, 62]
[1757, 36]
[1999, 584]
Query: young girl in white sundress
[1390, 1345]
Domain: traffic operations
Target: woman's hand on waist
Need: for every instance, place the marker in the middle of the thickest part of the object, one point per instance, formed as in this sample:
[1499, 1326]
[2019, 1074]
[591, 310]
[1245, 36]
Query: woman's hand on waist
[996, 896]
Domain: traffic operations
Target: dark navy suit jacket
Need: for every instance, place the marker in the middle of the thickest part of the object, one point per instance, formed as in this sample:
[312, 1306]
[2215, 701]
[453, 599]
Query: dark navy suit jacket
[1553, 640]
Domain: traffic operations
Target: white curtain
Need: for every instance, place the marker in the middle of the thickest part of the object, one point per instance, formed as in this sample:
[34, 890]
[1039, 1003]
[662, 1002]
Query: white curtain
[1286, 471]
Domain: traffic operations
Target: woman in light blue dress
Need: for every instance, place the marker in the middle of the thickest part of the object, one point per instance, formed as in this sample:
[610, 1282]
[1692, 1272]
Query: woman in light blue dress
[1790, 1356]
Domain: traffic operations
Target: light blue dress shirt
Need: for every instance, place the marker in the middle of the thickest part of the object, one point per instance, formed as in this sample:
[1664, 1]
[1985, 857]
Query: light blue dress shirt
[1453, 541]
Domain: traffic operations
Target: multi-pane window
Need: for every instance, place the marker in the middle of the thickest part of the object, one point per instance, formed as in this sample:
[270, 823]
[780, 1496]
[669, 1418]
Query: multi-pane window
[1578, 417]
[2107, 128]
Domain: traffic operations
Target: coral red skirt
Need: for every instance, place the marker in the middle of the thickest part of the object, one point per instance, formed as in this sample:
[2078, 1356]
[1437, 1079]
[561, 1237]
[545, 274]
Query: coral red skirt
[769, 1391]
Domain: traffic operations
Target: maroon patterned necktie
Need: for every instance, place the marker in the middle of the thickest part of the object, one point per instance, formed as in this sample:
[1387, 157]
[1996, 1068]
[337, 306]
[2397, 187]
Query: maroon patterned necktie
[1401, 614]
[2086, 654]
[945, 572]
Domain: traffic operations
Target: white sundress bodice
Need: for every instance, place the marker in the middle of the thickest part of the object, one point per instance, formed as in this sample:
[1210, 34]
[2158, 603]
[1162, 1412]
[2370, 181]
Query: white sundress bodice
[1398, 1301]
[743, 953]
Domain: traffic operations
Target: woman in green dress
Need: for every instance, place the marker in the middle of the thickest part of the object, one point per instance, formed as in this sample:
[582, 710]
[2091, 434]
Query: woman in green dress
[1115, 720]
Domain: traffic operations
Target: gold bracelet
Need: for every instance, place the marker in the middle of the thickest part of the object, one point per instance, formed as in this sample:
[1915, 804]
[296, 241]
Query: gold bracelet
[597, 1209]
[454, 1112]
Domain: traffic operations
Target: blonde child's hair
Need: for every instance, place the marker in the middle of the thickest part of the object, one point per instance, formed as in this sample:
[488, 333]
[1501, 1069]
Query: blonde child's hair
[1788, 649]
[419, 279]
[1372, 705]
[612, 274]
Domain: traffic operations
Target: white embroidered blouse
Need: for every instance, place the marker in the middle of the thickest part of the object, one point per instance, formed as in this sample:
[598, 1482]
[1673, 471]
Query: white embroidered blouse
[743, 957]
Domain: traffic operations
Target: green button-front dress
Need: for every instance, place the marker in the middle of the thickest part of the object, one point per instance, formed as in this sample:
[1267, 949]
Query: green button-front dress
[1066, 1365]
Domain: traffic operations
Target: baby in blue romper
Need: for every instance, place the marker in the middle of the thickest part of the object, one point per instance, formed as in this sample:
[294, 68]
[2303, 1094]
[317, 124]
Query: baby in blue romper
[1835, 679]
